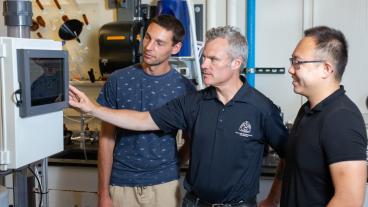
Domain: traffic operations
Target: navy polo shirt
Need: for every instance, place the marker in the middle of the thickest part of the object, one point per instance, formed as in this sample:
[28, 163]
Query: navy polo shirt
[333, 131]
[227, 140]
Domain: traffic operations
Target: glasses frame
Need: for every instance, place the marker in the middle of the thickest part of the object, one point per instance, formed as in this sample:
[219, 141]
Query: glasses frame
[296, 63]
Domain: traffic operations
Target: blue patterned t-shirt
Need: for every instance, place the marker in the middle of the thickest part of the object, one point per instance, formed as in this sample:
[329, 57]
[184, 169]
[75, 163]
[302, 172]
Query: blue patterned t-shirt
[143, 158]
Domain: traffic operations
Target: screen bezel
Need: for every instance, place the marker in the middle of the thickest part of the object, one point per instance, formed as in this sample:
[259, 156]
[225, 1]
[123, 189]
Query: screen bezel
[24, 56]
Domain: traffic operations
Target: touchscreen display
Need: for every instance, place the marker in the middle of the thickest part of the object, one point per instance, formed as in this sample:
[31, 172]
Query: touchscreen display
[47, 79]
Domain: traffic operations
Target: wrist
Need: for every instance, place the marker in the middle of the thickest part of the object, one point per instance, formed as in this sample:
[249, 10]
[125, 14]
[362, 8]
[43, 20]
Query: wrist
[94, 109]
[273, 200]
[103, 193]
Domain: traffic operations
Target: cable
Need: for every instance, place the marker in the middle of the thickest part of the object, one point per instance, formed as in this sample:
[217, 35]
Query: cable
[38, 175]
[39, 184]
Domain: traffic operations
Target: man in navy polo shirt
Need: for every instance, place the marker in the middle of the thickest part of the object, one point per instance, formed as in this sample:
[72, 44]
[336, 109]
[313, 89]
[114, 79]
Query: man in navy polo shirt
[230, 124]
[326, 153]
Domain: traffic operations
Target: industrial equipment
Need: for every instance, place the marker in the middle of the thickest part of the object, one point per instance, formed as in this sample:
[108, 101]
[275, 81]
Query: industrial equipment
[34, 91]
[119, 45]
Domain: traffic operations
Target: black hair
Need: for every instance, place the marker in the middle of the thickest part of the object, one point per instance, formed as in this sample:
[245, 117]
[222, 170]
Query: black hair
[332, 42]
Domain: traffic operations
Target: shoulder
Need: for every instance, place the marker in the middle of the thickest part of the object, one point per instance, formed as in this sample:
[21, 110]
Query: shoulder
[343, 119]
[124, 73]
[181, 81]
[343, 109]
[192, 99]
[178, 76]
[263, 103]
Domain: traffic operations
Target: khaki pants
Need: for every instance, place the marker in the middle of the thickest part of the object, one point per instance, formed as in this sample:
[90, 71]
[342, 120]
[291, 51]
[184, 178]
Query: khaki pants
[161, 195]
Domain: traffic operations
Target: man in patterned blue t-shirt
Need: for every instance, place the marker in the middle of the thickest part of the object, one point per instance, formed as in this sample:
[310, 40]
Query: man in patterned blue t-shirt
[141, 168]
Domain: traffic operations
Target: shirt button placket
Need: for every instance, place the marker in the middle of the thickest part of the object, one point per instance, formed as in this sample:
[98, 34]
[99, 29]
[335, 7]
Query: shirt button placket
[221, 115]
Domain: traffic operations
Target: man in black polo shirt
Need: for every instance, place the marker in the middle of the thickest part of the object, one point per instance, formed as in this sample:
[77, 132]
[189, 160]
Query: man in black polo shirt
[230, 124]
[326, 151]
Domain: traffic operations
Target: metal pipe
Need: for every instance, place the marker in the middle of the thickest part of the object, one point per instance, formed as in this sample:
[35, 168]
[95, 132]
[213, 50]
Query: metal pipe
[193, 38]
[18, 17]
[251, 28]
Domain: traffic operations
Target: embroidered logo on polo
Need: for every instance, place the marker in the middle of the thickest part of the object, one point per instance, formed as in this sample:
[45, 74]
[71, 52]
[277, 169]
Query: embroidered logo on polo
[245, 129]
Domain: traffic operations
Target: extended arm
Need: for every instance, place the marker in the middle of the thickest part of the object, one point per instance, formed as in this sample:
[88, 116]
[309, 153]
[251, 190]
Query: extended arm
[349, 180]
[127, 119]
[106, 145]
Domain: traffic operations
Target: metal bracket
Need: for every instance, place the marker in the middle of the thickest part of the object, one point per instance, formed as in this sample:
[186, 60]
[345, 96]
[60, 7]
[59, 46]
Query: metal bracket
[269, 70]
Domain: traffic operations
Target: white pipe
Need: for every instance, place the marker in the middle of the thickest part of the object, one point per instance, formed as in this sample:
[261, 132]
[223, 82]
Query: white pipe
[211, 14]
[308, 6]
[308, 22]
[193, 37]
[232, 13]
[4, 152]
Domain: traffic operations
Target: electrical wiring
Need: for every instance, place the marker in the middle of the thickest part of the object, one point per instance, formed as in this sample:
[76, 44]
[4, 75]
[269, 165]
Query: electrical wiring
[41, 192]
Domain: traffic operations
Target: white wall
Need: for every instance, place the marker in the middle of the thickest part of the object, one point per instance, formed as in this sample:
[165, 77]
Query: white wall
[279, 27]
[352, 19]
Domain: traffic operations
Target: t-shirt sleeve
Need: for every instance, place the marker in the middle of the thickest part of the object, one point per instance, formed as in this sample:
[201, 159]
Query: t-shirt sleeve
[107, 96]
[275, 131]
[343, 137]
[170, 117]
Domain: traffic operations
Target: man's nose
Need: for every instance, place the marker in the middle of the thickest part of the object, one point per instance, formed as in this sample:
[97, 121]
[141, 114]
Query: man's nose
[204, 63]
[291, 69]
[149, 45]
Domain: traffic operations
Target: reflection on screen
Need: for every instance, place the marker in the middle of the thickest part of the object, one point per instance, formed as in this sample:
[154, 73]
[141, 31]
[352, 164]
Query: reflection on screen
[46, 78]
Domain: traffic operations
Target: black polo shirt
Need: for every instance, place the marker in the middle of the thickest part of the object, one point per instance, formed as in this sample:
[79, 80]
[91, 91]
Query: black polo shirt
[227, 140]
[333, 131]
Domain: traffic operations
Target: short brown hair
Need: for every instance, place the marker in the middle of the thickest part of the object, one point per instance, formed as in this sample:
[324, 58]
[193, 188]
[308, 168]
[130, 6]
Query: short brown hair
[170, 23]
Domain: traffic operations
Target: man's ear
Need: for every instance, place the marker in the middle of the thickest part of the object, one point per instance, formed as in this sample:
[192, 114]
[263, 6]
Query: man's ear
[176, 48]
[236, 63]
[328, 70]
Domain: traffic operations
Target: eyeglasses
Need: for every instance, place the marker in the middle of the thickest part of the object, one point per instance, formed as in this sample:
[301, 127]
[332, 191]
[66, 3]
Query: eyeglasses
[296, 63]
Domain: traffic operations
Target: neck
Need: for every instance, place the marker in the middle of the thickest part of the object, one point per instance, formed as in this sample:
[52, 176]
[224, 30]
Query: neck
[227, 91]
[320, 95]
[156, 70]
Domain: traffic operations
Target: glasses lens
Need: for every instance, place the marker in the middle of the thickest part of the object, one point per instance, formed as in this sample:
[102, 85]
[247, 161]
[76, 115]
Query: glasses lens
[294, 63]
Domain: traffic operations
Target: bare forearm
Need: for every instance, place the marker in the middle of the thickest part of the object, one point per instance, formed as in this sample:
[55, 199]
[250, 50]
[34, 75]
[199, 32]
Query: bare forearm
[105, 158]
[275, 191]
[127, 119]
[345, 202]
[349, 180]
[104, 171]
